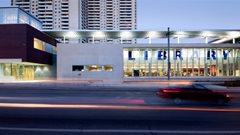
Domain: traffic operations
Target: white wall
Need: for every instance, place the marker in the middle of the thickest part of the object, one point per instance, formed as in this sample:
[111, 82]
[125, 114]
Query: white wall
[74, 10]
[89, 54]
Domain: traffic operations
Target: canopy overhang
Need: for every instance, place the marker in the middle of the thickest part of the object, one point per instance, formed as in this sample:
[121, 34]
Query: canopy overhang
[77, 34]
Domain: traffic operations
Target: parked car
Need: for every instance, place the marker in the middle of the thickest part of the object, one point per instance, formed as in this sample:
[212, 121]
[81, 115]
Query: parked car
[197, 92]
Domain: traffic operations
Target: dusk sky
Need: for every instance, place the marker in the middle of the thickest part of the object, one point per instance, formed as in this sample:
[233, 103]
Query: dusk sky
[184, 14]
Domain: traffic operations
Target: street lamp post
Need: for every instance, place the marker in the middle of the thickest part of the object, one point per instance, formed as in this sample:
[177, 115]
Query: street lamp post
[169, 64]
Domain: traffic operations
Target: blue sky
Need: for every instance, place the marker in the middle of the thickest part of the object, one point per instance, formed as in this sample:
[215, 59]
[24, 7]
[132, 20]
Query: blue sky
[184, 14]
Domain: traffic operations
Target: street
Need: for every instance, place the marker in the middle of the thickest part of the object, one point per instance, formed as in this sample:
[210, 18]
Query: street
[109, 110]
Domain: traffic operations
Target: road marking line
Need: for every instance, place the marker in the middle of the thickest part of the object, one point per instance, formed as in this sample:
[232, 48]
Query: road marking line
[118, 131]
[114, 107]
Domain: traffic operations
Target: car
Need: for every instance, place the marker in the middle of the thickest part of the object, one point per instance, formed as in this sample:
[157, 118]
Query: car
[195, 92]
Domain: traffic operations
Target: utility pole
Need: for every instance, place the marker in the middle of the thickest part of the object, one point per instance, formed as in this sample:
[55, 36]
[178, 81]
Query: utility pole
[169, 64]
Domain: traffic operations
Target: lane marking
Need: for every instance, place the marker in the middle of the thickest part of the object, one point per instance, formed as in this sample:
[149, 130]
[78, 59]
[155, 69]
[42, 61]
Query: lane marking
[118, 131]
[114, 107]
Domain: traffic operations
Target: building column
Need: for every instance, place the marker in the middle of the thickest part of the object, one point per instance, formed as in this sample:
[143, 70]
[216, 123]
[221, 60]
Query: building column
[217, 67]
[222, 64]
[233, 56]
[206, 40]
[199, 59]
[64, 39]
[234, 41]
[205, 63]
[149, 40]
[228, 61]
[193, 58]
[93, 38]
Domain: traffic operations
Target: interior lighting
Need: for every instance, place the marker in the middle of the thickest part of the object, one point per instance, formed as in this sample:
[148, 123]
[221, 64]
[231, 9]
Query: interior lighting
[233, 34]
[99, 34]
[205, 34]
[126, 34]
[71, 34]
[152, 34]
[38, 69]
[181, 34]
[45, 69]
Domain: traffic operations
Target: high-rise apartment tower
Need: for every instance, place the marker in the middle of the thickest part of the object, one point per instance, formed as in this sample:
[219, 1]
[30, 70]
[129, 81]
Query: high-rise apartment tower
[55, 14]
[109, 14]
[83, 14]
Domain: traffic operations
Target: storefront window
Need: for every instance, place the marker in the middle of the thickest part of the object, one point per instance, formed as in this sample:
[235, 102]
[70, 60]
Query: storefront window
[185, 62]
[24, 71]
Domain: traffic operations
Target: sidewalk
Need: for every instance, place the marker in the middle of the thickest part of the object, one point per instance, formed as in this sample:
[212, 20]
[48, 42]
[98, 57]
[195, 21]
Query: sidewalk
[55, 84]
[97, 86]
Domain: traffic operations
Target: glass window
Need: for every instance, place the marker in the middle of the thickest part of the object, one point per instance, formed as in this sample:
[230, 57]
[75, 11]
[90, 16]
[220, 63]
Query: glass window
[7, 70]
[215, 87]
[77, 68]
[49, 48]
[9, 15]
[35, 24]
[23, 17]
[94, 68]
[187, 87]
[108, 68]
[16, 15]
[38, 44]
[43, 46]
[199, 87]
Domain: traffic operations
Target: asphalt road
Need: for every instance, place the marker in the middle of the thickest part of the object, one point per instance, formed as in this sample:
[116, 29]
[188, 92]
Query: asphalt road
[18, 121]
[103, 111]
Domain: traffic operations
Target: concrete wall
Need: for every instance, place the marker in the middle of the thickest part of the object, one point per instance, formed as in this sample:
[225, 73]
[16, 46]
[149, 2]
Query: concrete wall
[89, 54]
[110, 54]
[74, 17]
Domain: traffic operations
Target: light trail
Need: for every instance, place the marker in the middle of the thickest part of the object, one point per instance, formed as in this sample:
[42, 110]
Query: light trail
[119, 131]
[114, 107]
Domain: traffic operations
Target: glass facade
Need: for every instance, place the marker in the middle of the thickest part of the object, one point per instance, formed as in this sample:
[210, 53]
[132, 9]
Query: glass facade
[185, 62]
[23, 71]
[15, 15]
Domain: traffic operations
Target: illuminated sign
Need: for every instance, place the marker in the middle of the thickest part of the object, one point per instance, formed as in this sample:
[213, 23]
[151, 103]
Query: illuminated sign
[162, 55]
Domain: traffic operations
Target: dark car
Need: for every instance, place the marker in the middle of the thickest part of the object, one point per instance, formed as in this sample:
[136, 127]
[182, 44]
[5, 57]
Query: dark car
[197, 92]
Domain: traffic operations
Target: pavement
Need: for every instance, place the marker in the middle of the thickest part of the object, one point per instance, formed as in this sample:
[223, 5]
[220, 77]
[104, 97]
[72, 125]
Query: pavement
[98, 85]
[55, 84]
